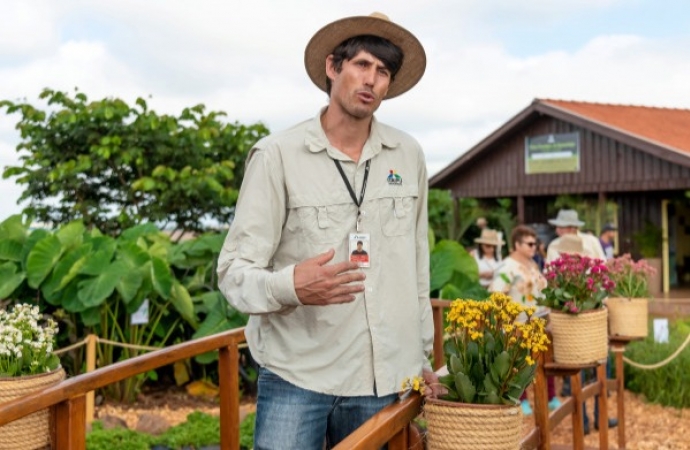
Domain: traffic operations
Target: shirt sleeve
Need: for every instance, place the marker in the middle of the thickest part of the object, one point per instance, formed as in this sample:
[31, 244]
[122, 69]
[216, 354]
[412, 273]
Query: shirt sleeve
[501, 281]
[245, 275]
[422, 236]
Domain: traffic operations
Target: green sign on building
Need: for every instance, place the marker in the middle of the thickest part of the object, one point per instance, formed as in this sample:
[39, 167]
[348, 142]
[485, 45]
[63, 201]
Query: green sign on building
[552, 153]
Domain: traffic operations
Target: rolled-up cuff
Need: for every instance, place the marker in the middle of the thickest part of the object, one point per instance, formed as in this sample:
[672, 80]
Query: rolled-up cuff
[281, 287]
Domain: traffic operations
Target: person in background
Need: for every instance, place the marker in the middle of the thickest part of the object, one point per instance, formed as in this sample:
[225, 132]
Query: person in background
[334, 340]
[519, 277]
[606, 238]
[487, 256]
[540, 255]
[567, 222]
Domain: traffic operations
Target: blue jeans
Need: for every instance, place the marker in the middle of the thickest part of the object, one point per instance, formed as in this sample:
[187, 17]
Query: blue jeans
[291, 418]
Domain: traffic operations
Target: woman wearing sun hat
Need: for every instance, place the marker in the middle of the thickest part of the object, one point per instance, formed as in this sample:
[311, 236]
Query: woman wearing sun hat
[487, 255]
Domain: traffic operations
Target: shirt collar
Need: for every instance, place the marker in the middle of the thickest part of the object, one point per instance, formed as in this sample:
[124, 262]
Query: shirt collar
[379, 139]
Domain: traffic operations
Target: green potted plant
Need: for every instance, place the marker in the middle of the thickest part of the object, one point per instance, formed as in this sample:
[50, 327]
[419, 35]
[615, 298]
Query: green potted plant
[490, 361]
[27, 364]
[628, 302]
[575, 291]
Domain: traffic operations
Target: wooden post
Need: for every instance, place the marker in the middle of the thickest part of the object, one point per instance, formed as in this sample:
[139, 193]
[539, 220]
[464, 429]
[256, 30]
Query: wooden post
[520, 209]
[400, 440]
[91, 341]
[437, 312]
[603, 408]
[69, 424]
[228, 374]
[578, 421]
[541, 405]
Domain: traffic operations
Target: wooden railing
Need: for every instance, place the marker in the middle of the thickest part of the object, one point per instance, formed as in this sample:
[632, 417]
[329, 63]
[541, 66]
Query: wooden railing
[67, 399]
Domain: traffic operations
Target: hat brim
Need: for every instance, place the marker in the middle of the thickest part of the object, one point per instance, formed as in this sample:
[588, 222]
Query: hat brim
[488, 242]
[559, 223]
[330, 36]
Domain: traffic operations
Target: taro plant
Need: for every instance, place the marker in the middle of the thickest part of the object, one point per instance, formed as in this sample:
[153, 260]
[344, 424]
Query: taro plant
[96, 282]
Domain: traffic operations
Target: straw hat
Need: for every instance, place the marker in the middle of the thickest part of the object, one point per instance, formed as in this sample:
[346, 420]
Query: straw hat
[566, 218]
[329, 37]
[570, 243]
[489, 237]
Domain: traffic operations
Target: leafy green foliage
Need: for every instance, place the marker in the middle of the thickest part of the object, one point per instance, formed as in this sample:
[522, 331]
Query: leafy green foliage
[454, 272]
[199, 430]
[93, 283]
[666, 385]
[113, 165]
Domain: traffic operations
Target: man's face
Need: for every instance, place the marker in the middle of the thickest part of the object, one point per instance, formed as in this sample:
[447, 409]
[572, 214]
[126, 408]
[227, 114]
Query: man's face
[562, 231]
[360, 86]
[359, 246]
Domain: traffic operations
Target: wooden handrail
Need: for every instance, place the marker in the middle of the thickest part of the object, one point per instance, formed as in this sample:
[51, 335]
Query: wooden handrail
[384, 427]
[67, 399]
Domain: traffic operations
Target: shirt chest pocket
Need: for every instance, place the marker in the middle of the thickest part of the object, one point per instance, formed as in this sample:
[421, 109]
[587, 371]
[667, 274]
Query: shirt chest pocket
[324, 224]
[398, 215]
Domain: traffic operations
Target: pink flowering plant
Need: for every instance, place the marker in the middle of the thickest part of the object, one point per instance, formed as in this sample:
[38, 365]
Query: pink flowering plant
[631, 277]
[576, 284]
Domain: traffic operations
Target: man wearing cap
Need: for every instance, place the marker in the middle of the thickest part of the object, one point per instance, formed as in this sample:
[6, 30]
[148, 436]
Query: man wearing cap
[567, 222]
[334, 340]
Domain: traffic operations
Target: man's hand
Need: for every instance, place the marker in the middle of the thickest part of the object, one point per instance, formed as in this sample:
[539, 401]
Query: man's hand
[319, 283]
[433, 387]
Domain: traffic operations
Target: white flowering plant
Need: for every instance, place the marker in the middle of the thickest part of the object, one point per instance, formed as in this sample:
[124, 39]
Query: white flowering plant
[26, 342]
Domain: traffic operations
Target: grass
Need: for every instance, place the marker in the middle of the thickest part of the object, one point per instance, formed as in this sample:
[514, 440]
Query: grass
[199, 430]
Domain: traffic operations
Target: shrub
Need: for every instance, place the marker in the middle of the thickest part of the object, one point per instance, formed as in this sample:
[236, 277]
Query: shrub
[666, 385]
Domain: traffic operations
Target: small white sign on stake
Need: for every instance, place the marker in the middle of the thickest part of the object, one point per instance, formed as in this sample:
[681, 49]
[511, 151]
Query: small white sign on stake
[141, 315]
[661, 331]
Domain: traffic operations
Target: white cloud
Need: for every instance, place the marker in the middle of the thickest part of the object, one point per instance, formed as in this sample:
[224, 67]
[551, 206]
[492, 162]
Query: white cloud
[245, 58]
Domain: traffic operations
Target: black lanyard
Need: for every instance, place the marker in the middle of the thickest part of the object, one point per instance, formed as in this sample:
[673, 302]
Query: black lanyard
[352, 191]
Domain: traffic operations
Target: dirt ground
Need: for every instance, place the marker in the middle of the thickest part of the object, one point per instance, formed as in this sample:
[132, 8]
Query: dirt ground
[648, 427]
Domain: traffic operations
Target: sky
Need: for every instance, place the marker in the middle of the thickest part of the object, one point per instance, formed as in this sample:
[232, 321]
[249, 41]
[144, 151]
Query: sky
[486, 60]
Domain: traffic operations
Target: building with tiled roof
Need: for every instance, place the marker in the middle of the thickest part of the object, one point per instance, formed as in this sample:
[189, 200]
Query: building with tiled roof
[637, 157]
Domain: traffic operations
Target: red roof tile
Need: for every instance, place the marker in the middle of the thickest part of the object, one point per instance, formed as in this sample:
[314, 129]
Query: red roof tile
[663, 126]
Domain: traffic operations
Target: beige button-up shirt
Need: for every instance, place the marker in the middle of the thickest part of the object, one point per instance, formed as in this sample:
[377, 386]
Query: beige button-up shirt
[294, 205]
[590, 247]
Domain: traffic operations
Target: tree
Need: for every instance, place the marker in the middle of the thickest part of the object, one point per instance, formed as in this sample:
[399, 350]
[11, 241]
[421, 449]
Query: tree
[114, 166]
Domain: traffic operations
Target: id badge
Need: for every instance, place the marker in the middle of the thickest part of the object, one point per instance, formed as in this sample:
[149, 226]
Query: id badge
[360, 248]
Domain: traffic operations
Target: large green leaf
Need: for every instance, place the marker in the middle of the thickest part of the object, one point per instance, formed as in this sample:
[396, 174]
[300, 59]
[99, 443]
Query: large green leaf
[447, 258]
[182, 301]
[97, 262]
[91, 317]
[161, 277]
[138, 231]
[10, 279]
[132, 255]
[72, 234]
[14, 228]
[129, 285]
[30, 242]
[65, 270]
[94, 291]
[41, 259]
[10, 250]
[70, 299]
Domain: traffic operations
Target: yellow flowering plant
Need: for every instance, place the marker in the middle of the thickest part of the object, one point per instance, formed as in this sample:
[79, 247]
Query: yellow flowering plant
[490, 354]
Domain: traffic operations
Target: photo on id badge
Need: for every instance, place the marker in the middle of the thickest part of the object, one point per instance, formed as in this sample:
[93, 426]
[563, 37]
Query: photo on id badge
[359, 249]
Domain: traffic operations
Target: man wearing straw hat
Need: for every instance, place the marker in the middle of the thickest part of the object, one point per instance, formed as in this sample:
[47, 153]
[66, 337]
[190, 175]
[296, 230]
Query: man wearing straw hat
[334, 340]
[567, 222]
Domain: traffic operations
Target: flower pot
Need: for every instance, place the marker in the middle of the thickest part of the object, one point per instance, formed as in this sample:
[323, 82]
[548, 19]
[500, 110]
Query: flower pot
[627, 316]
[33, 431]
[579, 338]
[460, 426]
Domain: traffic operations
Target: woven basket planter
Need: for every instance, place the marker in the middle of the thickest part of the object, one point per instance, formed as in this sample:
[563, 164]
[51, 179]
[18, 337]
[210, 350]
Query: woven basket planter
[579, 338]
[628, 316]
[464, 426]
[33, 431]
